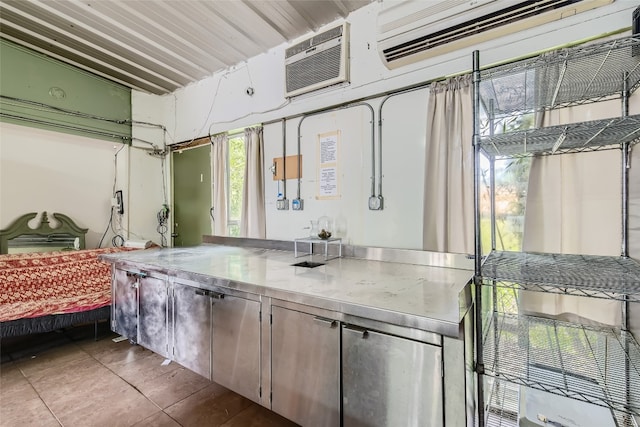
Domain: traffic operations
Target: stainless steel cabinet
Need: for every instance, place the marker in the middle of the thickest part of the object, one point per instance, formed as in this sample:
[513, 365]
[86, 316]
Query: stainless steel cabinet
[191, 325]
[390, 381]
[153, 307]
[124, 304]
[305, 367]
[139, 309]
[236, 344]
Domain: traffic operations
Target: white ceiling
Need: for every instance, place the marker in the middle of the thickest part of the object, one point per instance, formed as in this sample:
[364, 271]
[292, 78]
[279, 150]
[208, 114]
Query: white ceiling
[158, 46]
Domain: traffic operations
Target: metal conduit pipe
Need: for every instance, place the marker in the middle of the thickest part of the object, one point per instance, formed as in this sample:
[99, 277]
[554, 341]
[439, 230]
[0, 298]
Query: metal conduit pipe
[373, 144]
[123, 138]
[65, 111]
[284, 159]
[384, 100]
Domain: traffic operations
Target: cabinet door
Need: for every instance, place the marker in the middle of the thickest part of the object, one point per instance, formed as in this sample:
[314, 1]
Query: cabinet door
[305, 368]
[124, 307]
[236, 344]
[192, 329]
[152, 315]
[390, 381]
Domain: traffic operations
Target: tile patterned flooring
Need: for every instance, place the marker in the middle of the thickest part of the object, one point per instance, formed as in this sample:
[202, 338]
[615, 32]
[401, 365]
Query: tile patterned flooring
[69, 379]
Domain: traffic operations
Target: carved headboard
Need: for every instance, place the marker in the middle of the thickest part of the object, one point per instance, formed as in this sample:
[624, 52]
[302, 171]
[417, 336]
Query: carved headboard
[19, 233]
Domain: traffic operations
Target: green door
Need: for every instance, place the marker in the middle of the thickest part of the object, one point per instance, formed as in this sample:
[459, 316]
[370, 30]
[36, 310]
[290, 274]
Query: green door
[191, 195]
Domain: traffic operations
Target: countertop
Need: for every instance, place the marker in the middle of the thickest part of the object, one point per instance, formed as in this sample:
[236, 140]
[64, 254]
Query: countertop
[434, 299]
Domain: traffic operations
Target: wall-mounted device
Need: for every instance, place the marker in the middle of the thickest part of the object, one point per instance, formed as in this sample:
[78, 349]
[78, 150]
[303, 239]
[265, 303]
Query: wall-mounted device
[163, 214]
[376, 203]
[119, 202]
[412, 31]
[317, 62]
[282, 204]
[297, 204]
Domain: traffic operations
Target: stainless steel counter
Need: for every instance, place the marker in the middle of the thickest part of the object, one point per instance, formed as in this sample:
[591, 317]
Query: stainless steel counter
[430, 298]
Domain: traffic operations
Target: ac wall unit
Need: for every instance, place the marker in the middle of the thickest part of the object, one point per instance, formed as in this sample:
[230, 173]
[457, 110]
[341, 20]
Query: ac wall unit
[413, 30]
[317, 62]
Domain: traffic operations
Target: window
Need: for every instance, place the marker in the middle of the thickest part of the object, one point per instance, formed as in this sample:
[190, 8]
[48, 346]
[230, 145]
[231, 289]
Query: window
[511, 180]
[235, 181]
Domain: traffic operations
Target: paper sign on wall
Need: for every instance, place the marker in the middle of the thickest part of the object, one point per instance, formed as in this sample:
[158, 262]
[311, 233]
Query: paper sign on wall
[328, 165]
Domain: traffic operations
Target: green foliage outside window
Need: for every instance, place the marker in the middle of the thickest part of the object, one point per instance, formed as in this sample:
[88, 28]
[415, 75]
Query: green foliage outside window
[511, 182]
[237, 160]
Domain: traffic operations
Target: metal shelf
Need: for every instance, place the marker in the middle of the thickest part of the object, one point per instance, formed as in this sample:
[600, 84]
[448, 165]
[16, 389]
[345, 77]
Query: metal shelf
[337, 241]
[583, 363]
[583, 275]
[503, 406]
[561, 78]
[571, 138]
[501, 403]
[529, 355]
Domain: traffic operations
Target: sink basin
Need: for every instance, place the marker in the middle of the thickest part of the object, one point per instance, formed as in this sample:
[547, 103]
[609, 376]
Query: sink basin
[307, 264]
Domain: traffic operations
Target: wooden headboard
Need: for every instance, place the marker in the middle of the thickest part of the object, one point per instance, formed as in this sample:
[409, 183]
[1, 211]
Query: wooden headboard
[43, 235]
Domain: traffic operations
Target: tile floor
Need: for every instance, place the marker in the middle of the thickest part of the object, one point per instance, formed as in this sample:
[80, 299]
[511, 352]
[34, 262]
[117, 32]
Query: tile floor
[69, 379]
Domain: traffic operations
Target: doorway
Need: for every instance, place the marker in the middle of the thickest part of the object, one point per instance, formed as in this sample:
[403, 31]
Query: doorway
[191, 195]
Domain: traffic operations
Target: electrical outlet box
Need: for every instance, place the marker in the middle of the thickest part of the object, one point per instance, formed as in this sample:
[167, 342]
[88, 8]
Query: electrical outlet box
[376, 203]
[119, 202]
[297, 204]
[282, 204]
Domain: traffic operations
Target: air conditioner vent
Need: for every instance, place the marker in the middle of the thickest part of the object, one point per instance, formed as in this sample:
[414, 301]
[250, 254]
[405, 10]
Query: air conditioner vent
[408, 40]
[314, 41]
[317, 62]
[479, 25]
[316, 68]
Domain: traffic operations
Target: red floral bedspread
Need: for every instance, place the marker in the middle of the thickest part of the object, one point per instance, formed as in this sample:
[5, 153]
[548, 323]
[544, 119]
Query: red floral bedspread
[39, 284]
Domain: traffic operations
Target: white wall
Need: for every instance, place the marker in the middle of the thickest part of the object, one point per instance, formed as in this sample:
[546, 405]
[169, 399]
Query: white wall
[149, 176]
[49, 171]
[219, 103]
[402, 173]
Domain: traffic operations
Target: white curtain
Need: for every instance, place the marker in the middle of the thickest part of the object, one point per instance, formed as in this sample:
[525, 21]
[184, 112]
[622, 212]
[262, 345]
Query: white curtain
[252, 219]
[219, 148]
[448, 189]
[573, 206]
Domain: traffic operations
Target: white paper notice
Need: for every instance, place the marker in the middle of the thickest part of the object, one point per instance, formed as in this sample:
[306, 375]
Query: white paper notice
[329, 149]
[328, 182]
[328, 166]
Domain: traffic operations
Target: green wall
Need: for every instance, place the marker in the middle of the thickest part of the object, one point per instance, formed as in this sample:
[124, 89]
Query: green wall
[44, 90]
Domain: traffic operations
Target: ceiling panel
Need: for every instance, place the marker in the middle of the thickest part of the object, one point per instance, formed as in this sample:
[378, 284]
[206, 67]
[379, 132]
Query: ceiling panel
[158, 46]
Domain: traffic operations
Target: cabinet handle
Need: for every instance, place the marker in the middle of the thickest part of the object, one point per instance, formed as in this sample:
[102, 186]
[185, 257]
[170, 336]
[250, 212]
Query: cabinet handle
[136, 274]
[363, 331]
[210, 294]
[330, 322]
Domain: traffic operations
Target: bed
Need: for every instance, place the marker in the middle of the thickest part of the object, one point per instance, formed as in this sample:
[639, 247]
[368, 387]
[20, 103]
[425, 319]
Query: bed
[48, 280]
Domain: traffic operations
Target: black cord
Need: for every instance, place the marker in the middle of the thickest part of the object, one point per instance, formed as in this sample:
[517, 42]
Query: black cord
[117, 240]
[106, 229]
[163, 217]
